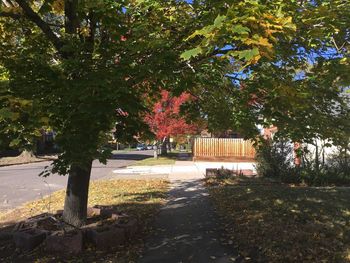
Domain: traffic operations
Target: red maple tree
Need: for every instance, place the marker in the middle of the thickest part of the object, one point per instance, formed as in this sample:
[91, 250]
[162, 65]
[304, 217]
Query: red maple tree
[165, 120]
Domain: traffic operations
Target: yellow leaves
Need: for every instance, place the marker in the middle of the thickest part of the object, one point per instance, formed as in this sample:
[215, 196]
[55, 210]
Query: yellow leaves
[278, 202]
[250, 27]
[344, 61]
[256, 59]
[128, 194]
[348, 255]
[259, 41]
[287, 22]
[251, 19]
[264, 42]
[45, 120]
[84, 31]
[58, 6]
[139, 198]
[11, 9]
[346, 212]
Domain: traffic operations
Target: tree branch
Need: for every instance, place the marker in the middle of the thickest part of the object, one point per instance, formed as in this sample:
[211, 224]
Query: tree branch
[71, 17]
[92, 24]
[11, 15]
[7, 3]
[45, 28]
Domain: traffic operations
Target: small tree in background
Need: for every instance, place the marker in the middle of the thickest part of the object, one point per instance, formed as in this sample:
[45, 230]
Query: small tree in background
[166, 120]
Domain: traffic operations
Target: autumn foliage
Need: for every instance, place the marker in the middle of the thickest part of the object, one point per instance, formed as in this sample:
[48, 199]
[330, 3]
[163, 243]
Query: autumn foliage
[165, 119]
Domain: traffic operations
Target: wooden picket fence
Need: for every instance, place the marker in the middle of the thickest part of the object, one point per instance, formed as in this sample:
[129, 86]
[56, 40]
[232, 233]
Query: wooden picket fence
[222, 148]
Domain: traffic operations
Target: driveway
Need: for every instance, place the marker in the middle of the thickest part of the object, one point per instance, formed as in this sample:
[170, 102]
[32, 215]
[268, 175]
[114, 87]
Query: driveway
[21, 183]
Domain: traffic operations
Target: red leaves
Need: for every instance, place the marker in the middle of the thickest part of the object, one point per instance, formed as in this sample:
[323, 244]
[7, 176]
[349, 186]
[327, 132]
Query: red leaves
[165, 119]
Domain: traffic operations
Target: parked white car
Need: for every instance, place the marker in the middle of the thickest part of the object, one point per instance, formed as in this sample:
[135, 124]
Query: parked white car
[141, 147]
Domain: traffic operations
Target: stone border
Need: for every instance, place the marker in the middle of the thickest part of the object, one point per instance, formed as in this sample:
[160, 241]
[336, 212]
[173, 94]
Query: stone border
[118, 229]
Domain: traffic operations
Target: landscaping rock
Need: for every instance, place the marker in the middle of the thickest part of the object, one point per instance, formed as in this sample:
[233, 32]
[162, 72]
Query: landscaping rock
[59, 242]
[59, 212]
[28, 239]
[6, 236]
[248, 173]
[211, 172]
[107, 236]
[37, 218]
[130, 227]
[101, 211]
[18, 226]
[115, 216]
[93, 211]
[44, 221]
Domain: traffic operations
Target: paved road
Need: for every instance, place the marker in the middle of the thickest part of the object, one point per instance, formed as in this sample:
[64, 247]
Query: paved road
[21, 183]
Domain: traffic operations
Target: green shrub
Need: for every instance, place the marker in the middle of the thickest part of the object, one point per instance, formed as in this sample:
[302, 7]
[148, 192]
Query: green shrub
[275, 160]
[328, 176]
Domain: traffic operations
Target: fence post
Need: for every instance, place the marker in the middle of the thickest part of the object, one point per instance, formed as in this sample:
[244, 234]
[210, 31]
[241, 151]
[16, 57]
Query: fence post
[243, 148]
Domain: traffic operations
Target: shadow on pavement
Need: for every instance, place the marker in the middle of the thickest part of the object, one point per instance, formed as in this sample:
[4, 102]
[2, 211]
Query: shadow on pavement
[187, 229]
[132, 156]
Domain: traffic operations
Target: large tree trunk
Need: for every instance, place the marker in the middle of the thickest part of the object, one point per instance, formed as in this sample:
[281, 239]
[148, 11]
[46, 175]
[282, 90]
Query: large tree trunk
[75, 205]
[27, 156]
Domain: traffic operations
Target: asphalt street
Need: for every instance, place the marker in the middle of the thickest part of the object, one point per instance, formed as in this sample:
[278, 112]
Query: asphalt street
[21, 183]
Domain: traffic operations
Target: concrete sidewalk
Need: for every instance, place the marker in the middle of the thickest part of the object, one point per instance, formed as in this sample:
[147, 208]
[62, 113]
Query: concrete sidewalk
[187, 228]
[181, 170]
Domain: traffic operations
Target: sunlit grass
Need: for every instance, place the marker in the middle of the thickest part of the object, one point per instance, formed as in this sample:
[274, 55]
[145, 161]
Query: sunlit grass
[162, 160]
[125, 194]
[139, 198]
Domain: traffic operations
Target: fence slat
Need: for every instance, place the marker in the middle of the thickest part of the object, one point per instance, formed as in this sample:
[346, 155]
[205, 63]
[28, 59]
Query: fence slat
[223, 147]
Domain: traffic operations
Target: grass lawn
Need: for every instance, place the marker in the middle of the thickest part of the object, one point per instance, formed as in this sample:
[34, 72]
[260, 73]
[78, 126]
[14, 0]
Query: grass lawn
[169, 159]
[140, 198]
[270, 222]
[124, 150]
[24, 157]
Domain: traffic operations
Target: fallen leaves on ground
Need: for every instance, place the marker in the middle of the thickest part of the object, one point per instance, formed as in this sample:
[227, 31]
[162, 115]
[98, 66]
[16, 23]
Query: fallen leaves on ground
[271, 222]
[139, 198]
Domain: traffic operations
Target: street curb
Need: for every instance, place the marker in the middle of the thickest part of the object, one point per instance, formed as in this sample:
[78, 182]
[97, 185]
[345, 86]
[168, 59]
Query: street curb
[139, 176]
[39, 161]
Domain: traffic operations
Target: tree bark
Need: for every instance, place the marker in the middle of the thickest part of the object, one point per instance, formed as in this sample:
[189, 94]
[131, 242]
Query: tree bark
[45, 28]
[164, 147]
[317, 158]
[27, 156]
[169, 144]
[75, 205]
[71, 16]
